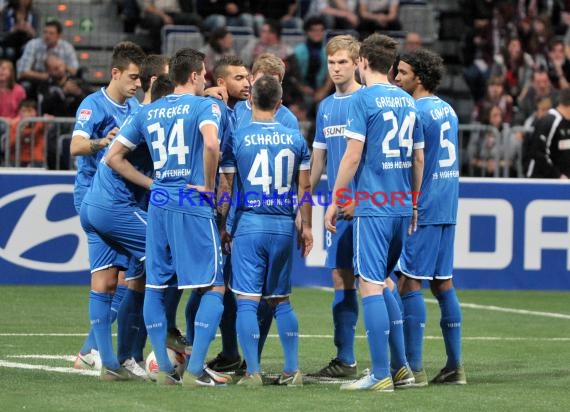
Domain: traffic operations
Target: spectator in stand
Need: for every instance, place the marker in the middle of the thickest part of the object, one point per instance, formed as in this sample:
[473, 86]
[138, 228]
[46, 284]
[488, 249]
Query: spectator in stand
[31, 66]
[19, 23]
[555, 64]
[541, 87]
[338, 14]
[61, 94]
[495, 96]
[157, 13]
[11, 93]
[286, 11]
[378, 15]
[269, 42]
[536, 41]
[311, 61]
[220, 43]
[413, 41]
[515, 66]
[221, 13]
[484, 151]
[32, 140]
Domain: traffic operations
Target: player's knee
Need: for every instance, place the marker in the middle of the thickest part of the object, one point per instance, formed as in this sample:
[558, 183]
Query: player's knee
[343, 279]
[439, 286]
[408, 285]
[276, 301]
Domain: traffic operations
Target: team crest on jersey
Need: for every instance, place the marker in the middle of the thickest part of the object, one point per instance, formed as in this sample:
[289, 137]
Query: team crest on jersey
[84, 115]
[216, 110]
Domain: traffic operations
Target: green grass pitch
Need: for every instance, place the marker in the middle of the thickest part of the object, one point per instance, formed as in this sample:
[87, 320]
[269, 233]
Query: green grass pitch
[515, 360]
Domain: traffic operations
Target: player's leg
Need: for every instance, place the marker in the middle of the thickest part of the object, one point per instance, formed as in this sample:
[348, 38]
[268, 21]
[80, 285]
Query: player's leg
[159, 274]
[198, 264]
[402, 374]
[371, 240]
[228, 360]
[451, 317]
[190, 313]
[345, 302]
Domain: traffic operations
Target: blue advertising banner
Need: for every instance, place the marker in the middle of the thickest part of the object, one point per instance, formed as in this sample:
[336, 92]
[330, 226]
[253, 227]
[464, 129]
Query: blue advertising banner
[511, 234]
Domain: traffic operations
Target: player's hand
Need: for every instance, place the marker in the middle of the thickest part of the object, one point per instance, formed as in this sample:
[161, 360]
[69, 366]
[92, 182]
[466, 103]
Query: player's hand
[414, 223]
[330, 218]
[110, 136]
[346, 212]
[306, 241]
[298, 222]
[217, 92]
[207, 193]
[226, 240]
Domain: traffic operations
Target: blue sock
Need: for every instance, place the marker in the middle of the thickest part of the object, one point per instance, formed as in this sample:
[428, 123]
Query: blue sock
[288, 328]
[377, 324]
[117, 299]
[414, 326]
[228, 326]
[451, 326]
[171, 300]
[248, 333]
[265, 313]
[398, 298]
[345, 316]
[100, 317]
[89, 343]
[155, 321]
[205, 326]
[191, 309]
[128, 321]
[140, 341]
[396, 338]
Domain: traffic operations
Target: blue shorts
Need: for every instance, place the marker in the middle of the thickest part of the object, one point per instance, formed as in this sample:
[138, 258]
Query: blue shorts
[183, 246]
[428, 253]
[114, 236]
[339, 246]
[378, 243]
[262, 264]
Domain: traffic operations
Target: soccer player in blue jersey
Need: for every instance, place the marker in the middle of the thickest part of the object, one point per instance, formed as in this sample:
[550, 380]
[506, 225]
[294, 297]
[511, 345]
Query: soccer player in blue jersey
[231, 74]
[384, 143]
[183, 245]
[272, 164]
[328, 148]
[428, 253]
[98, 119]
[228, 359]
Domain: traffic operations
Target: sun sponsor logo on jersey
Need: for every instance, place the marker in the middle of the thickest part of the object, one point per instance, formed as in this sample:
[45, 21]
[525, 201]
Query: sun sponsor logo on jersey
[84, 115]
[334, 131]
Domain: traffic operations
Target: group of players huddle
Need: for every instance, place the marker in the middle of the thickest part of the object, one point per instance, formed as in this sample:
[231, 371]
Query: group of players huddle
[146, 196]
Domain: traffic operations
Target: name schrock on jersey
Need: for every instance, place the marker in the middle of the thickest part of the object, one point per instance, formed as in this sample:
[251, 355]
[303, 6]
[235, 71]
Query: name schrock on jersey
[329, 133]
[385, 118]
[171, 128]
[440, 185]
[267, 157]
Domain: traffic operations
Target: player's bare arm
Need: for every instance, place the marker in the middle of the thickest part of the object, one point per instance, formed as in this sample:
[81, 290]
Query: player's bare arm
[80, 146]
[305, 238]
[417, 173]
[347, 170]
[225, 189]
[116, 160]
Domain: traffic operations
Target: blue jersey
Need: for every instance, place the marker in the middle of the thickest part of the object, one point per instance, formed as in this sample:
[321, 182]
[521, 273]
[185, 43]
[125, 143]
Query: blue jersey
[329, 133]
[384, 118]
[96, 116]
[171, 128]
[243, 116]
[266, 157]
[440, 185]
[110, 190]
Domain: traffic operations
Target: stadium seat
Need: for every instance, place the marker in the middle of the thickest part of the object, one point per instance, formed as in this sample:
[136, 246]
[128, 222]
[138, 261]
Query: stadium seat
[292, 37]
[175, 37]
[420, 18]
[243, 37]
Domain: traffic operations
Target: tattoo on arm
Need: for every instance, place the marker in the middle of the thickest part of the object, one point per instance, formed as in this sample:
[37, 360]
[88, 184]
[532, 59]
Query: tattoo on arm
[94, 145]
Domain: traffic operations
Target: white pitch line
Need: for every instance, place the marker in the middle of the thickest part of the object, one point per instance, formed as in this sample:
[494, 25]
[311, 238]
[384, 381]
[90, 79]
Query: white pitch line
[509, 310]
[69, 358]
[18, 365]
[491, 308]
